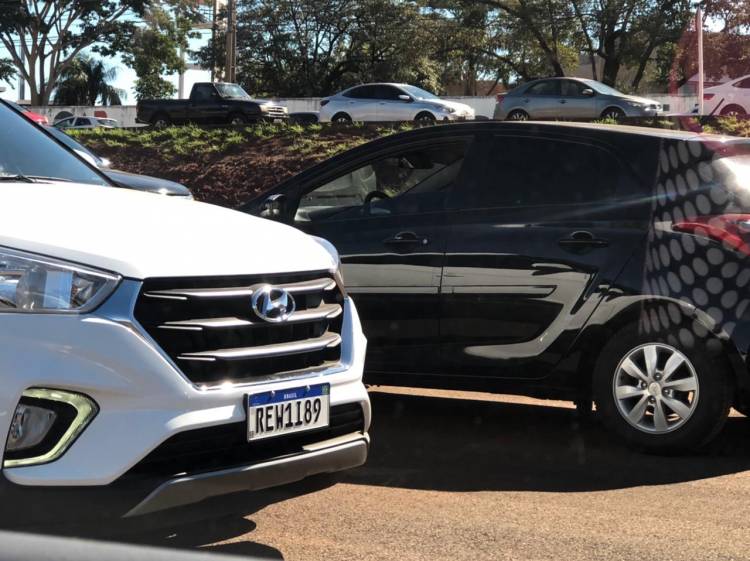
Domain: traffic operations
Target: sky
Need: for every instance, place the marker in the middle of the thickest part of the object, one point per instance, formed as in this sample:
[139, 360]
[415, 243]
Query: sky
[125, 76]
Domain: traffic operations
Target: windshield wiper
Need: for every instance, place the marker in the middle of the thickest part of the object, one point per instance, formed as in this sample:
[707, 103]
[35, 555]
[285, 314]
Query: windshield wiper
[18, 177]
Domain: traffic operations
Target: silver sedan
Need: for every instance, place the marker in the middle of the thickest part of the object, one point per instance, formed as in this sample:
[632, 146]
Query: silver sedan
[571, 98]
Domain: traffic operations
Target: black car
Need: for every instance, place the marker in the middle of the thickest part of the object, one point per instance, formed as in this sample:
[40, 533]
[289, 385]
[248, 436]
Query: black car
[122, 178]
[564, 261]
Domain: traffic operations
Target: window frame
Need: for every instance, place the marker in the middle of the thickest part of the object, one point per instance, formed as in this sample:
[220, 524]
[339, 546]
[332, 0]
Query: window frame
[556, 93]
[340, 169]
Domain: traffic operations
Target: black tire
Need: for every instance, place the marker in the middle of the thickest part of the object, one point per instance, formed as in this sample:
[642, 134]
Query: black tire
[425, 118]
[711, 408]
[160, 121]
[517, 115]
[238, 119]
[613, 113]
[341, 118]
[733, 110]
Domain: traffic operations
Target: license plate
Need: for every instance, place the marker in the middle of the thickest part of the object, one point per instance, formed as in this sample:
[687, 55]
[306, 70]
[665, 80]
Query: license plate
[274, 413]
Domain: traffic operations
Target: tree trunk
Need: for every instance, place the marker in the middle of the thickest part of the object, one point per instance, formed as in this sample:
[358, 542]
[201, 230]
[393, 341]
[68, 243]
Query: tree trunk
[610, 71]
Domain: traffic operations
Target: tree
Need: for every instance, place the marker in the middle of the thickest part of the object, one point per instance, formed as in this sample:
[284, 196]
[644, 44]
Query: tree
[86, 81]
[44, 38]
[154, 48]
[7, 70]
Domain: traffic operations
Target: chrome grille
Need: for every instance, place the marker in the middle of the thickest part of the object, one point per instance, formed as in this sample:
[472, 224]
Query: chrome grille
[276, 111]
[209, 329]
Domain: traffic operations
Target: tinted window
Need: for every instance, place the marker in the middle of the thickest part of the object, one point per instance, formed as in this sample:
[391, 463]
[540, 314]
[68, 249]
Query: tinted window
[80, 122]
[744, 84]
[28, 151]
[547, 87]
[539, 171]
[362, 92]
[571, 88]
[203, 93]
[406, 182]
[387, 92]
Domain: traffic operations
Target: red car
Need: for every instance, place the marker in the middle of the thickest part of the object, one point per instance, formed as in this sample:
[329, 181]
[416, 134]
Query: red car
[36, 117]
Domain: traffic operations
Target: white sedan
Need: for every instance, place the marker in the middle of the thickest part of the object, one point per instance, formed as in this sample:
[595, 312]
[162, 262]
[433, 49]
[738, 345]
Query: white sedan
[391, 102]
[730, 98]
[85, 123]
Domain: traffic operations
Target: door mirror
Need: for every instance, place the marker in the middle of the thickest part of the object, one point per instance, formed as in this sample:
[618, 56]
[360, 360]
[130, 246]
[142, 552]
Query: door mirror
[274, 207]
[404, 97]
[588, 92]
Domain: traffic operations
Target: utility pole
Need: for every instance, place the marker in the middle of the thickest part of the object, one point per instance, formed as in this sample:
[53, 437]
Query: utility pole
[699, 31]
[230, 73]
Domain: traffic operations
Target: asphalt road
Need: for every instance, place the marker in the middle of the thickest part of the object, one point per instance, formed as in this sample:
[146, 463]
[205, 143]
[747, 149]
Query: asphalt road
[459, 476]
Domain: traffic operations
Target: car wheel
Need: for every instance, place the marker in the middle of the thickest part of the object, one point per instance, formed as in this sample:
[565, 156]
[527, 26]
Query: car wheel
[613, 113]
[237, 120]
[425, 118]
[160, 122]
[341, 118]
[733, 110]
[517, 115]
[661, 396]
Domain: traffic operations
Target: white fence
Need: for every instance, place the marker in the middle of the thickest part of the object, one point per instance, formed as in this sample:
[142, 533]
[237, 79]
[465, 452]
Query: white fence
[483, 106]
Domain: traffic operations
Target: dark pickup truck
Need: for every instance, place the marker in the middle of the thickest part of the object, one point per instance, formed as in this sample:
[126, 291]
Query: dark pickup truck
[210, 104]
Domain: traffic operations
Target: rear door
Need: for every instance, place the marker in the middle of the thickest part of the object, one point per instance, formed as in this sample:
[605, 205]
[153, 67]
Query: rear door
[361, 104]
[542, 99]
[533, 246]
[385, 216]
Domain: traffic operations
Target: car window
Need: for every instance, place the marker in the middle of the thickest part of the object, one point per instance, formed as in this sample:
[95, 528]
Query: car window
[547, 87]
[82, 122]
[22, 145]
[362, 92]
[64, 122]
[743, 84]
[401, 183]
[388, 93]
[524, 171]
[571, 88]
[204, 92]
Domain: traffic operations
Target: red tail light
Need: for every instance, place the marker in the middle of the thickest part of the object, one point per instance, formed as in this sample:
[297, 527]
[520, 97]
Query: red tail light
[732, 230]
[707, 96]
[324, 102]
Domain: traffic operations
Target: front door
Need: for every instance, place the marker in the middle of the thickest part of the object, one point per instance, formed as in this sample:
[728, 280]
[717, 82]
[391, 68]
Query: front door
[576, 105]
[530, 253]
[385, 216]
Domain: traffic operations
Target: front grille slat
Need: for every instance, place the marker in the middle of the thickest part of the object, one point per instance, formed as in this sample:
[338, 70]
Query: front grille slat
[208, 327]
[268, 351]
[323, 311]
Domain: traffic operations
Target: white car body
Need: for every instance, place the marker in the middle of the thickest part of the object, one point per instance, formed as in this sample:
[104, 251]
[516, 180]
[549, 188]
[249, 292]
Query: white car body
[381, 102]
[85, 122]
[730, 98]
[143, 394]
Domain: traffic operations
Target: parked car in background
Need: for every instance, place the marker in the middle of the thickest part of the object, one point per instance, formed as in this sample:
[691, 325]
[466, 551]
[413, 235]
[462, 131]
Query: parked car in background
[32, 116]
[564, 261]
[86, 123]
[151, 359]
[571, 98]
[729, 98]
[210, 104]
[122, 178]
[390, 102]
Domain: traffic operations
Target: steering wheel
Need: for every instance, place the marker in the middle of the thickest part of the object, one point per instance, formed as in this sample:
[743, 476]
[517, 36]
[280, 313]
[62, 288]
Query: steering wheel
[371, 196]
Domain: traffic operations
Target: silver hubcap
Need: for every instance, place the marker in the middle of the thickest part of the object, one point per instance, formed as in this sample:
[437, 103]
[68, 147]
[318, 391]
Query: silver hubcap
[655, 388]
[517, 116]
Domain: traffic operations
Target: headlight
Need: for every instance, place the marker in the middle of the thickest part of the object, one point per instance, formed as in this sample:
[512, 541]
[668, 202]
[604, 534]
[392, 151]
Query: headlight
[449, 110]
[31, 283]
[635, 104]
[44, 425]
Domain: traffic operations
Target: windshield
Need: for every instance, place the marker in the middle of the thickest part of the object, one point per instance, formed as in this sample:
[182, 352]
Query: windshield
[26, 151]
[418, 93]
[72, 143]
[602, 88]
[231, 90]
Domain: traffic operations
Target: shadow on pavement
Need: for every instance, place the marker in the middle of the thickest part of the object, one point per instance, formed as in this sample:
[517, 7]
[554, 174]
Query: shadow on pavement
[437, 443]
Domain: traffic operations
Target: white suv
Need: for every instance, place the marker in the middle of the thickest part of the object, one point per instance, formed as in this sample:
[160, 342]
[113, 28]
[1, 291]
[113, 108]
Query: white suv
[155, 352]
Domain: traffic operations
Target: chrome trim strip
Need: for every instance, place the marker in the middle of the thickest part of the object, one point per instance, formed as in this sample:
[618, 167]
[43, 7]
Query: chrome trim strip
[237, 291]
[267, 351]
[192, 489]
[325, 311]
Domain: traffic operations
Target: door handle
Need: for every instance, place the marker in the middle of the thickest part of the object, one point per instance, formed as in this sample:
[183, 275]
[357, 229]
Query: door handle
[582, 238]
[406, 238]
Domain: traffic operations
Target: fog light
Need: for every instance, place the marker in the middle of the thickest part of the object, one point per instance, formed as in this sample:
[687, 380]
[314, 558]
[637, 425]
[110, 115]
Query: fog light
[29, 426]
[44, 425]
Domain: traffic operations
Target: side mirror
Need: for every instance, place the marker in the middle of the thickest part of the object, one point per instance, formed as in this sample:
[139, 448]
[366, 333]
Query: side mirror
[588, 92]
[274, 207]
[404, 97]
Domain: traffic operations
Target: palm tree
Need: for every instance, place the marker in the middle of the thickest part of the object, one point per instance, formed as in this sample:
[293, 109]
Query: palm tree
[85, 81]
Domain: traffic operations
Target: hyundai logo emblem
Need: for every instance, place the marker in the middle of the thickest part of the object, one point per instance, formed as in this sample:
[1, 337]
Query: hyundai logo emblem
[272, 303]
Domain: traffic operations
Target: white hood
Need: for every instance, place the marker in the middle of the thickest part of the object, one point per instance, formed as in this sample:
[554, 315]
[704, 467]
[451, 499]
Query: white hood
[141, 235]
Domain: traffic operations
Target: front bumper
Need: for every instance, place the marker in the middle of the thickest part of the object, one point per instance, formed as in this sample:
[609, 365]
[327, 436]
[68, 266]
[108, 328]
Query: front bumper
[144, 400]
